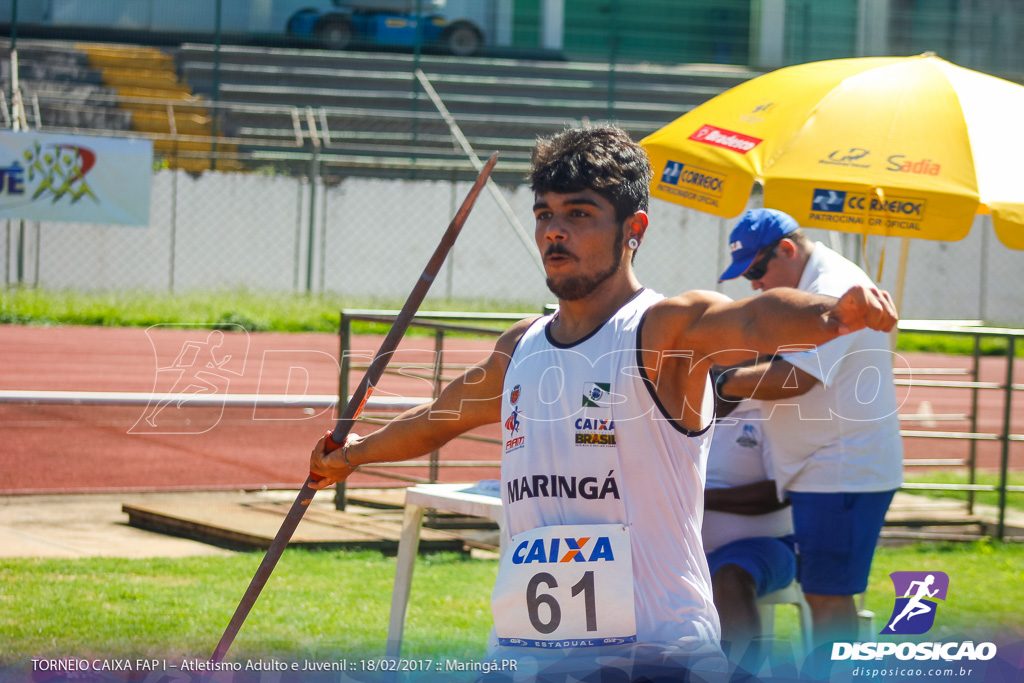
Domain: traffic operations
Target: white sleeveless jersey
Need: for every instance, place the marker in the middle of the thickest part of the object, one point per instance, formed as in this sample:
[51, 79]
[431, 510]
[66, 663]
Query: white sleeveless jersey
[586, 441]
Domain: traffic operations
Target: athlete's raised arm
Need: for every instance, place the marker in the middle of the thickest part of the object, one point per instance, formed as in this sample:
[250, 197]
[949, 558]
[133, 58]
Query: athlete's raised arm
[725, 332]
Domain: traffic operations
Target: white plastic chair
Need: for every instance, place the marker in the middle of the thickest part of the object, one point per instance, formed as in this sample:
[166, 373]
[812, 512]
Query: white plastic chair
[790, 595]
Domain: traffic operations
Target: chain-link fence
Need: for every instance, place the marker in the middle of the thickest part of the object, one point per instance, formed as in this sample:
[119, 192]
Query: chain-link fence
[369, 238]
[351, 170]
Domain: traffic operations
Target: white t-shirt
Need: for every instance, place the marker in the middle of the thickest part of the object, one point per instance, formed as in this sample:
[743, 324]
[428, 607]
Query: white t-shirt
[586, 441]
[844, 434]
[740, 455]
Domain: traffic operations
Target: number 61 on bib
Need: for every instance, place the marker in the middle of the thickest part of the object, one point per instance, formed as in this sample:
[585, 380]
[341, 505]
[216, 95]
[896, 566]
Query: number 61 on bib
[566, 586]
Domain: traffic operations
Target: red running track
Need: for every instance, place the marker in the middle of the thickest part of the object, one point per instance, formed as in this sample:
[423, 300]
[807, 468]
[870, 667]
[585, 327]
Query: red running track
[54, 448]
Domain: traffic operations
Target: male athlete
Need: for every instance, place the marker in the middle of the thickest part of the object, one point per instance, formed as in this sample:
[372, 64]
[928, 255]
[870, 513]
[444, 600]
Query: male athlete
[603, 466]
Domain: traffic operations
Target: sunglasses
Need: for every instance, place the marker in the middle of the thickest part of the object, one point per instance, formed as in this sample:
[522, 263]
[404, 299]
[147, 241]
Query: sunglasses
[757, 270]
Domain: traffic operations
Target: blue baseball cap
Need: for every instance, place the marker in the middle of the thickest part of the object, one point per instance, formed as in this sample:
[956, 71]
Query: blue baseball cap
[756, 230]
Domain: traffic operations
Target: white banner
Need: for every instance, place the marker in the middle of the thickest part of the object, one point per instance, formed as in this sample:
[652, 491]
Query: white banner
[74, 178]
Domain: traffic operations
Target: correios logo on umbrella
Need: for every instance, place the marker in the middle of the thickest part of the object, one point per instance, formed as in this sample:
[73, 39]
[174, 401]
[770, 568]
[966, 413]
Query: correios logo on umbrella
[678, 173]
[692, 182]
[726, 139]
[840, 206]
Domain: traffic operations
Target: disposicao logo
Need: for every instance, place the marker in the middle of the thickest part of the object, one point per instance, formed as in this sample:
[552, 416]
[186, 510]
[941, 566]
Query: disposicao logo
[914, 614]
[916, 596]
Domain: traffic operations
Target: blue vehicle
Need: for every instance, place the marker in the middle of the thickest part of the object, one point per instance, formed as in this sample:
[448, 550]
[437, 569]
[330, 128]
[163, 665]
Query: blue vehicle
[385, 22]
[334, 24]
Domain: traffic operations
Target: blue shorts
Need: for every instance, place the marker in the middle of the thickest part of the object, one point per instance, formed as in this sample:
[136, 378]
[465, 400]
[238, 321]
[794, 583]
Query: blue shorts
[771, 561]
[836, 535]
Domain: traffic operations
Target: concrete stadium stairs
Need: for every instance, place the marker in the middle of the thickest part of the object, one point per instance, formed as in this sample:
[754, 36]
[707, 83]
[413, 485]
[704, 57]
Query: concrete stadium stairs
[366, 109]
[370, 111]
[61, 89]
[161, 103]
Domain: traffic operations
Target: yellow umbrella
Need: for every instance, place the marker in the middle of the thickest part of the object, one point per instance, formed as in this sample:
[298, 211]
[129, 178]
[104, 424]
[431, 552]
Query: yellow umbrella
[896, 146]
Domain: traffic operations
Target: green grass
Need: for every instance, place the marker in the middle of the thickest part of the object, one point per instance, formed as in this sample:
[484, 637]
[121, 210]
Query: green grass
[957, 344]
[1013, 500]
[252, 310]
[315, 606]
[283, 312]
[324, 605]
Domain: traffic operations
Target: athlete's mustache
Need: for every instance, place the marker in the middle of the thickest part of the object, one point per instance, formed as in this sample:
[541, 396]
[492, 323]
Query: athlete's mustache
[558, 249]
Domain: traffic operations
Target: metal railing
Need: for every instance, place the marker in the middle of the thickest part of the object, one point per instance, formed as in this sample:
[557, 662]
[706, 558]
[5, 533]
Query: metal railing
[443, 323]
[290, 134]
[1005, 436]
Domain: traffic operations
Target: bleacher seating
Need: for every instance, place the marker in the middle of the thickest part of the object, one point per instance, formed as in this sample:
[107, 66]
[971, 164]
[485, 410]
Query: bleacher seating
[366, 111]
[61, 89]
[369, 106]
[161, 103]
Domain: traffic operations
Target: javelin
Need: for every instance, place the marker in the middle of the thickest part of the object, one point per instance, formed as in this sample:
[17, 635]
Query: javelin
[352, 410]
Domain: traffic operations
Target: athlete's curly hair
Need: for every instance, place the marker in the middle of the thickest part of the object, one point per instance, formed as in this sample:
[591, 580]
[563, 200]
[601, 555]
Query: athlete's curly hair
[599, 158]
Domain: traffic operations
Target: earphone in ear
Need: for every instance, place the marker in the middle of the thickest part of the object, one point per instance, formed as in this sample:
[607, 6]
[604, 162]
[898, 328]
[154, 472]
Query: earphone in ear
[633, 243]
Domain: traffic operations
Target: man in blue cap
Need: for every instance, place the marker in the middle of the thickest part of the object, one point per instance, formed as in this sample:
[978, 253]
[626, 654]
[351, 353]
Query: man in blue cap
[833, 420]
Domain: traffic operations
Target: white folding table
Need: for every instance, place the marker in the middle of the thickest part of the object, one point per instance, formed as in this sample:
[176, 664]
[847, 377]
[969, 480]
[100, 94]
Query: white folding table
[458, 498]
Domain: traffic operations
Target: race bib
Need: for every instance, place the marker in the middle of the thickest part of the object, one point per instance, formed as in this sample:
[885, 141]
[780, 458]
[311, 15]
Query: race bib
[566, 586]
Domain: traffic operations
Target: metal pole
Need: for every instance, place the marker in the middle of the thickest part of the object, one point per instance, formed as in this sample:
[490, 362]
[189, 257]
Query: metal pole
[983, 289]
[972, 456]
[21, 253]
[298, 233]
[492, 187]
[323, 239]
[1004, 461]
[417, 49]
[14, 55]
[345, 355]
[174, 222]
[14, 25]
[450, 265]
[16, 125]
[314, 171]
[39, 247]
[215, 128]
[435, 456]
[613, 39]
